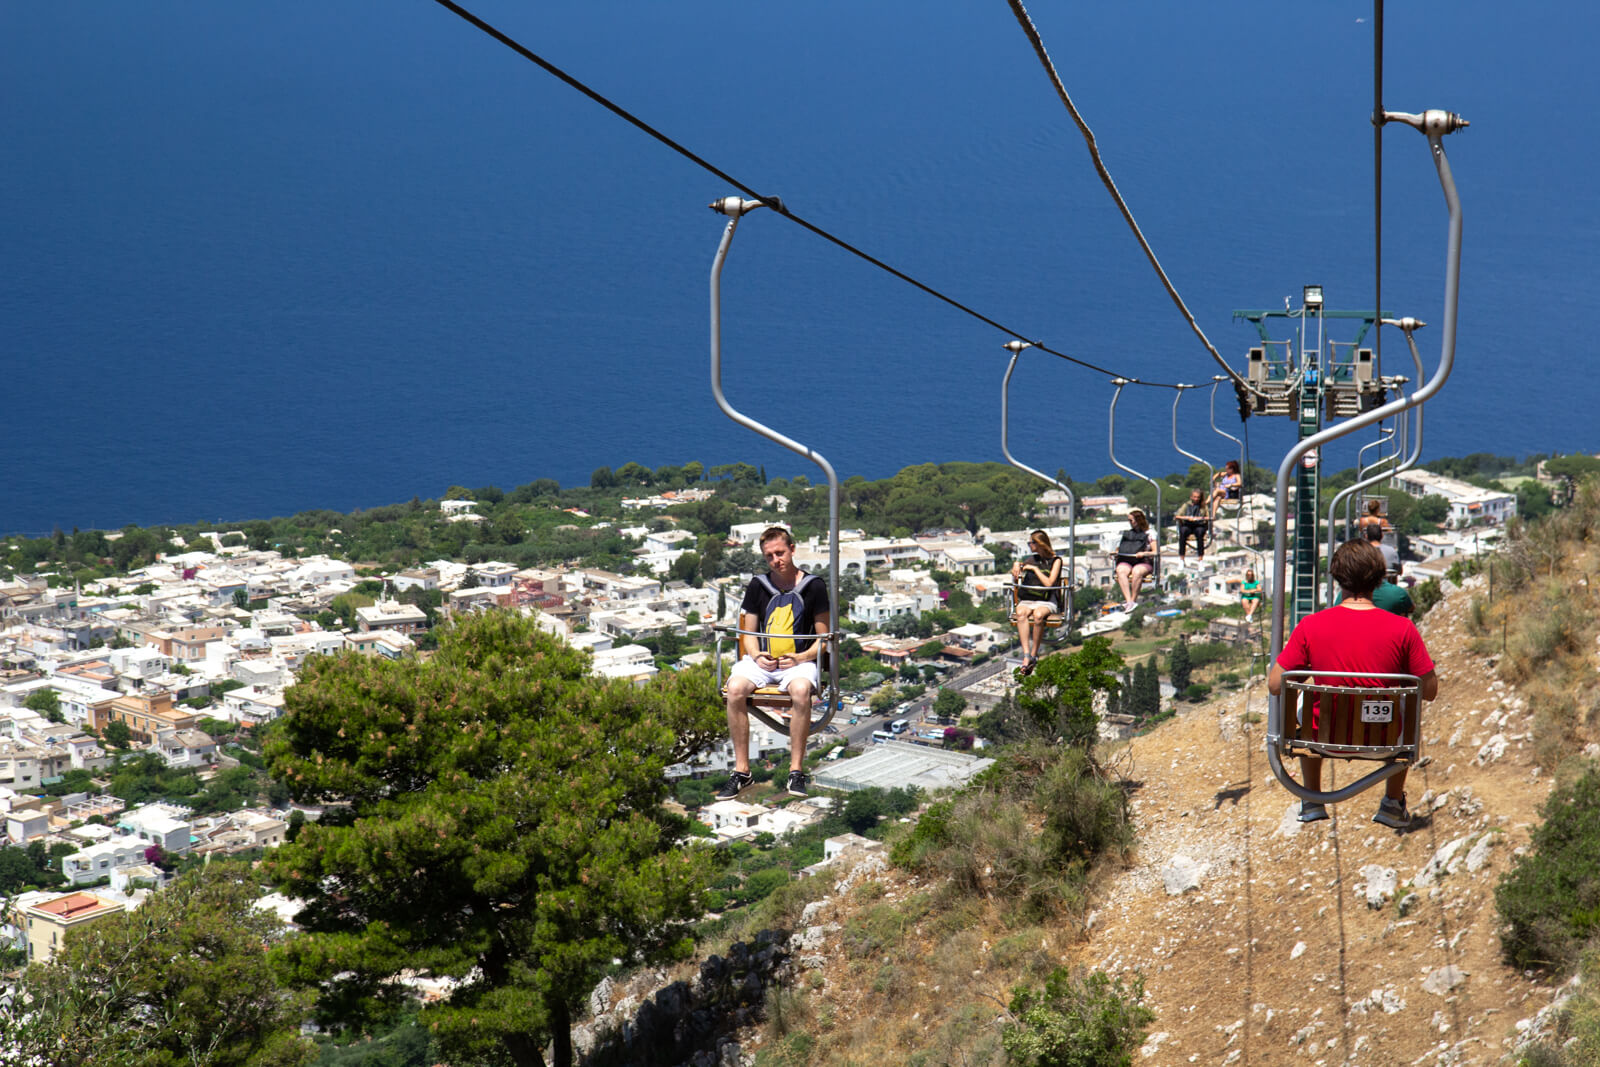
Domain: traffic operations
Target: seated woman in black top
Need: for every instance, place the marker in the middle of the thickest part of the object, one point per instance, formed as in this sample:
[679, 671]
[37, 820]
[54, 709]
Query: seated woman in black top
[1038, 578]
[1135, 556]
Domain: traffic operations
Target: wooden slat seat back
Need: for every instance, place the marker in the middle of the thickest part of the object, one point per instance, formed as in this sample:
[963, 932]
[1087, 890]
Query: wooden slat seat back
[1352, 722]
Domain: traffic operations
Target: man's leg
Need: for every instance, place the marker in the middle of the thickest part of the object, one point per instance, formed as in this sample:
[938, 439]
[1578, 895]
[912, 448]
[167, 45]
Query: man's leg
[739, 690]
[799, 722]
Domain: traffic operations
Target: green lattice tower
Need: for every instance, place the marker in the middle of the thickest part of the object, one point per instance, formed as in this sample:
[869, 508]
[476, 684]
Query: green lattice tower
[1307, 494]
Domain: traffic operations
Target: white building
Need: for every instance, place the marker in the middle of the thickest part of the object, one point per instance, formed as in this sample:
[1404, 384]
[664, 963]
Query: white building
[97, 861]
[1468, 503]
[158, 824]
[876, 609]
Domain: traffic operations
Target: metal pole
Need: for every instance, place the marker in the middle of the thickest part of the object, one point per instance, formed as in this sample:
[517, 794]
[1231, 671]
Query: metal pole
[1156, 563]
[734, 207]
[1016, 349]
[1239, 516]
[1434, 125]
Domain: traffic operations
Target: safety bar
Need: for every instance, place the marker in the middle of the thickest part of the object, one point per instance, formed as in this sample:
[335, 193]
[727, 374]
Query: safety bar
[1386, 435]
[1155, 563]
[1434, 125]
[829, 696]
[1239, 516]
[1016, 349]
[734, 207]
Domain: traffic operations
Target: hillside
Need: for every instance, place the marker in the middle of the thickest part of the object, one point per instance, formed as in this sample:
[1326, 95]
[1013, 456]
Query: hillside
[1339, 942]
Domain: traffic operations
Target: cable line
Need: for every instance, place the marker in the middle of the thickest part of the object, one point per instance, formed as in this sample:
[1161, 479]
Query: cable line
[1377, 177]
[1111, 187]
[778, 206]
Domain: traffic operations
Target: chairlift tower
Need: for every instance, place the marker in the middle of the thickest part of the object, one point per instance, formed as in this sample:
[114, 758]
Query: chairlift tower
[1308, 388]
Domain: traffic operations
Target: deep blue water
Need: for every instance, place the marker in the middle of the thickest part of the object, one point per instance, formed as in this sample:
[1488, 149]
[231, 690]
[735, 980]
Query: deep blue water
[263, 257]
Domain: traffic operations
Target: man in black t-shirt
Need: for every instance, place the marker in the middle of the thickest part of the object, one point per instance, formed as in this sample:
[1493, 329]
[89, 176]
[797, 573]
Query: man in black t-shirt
[778, 608]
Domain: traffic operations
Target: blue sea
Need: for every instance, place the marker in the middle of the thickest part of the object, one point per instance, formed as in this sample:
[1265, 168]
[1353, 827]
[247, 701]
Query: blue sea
[263, 257]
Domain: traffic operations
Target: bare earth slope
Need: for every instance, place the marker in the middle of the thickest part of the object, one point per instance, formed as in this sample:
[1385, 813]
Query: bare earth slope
[1291, 949]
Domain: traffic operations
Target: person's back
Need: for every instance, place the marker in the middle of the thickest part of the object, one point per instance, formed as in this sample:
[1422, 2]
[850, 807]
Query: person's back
[1348, 639]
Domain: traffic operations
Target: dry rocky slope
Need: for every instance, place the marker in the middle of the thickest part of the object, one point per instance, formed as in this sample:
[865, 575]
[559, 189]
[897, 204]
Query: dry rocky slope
[1341, 941]
[1260, 940]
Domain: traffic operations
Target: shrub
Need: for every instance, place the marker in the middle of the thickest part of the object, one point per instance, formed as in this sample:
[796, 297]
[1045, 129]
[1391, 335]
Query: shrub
[1077, 1022]
[1550, 900]
[1424, 596]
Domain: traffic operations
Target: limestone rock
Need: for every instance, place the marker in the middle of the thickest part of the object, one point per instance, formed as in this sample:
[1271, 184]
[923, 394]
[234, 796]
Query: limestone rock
[1380, 883]
[1442, 980]
[1492, 750]
[1437, 867]
[1290, 824]
[1479, 853]
[600, 998]
[1181, 874]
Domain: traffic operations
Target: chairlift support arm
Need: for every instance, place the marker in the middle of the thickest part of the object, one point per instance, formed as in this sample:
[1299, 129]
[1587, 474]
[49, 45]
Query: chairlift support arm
[1016, 349]
[1434, 125]
[735, 207]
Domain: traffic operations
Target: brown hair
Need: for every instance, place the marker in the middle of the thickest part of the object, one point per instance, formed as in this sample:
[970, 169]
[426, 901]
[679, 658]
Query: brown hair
[1040, 539]
[1232, 466]
[1373, 530]
[1372, 507]
[1249, 574]
[1358, 567]
[1137, 517]
[772, 533]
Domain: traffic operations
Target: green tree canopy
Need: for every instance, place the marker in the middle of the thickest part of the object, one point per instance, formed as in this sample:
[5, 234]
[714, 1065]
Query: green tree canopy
[504, 827]
[949, 704]
[1059, 695]
[185, 979]
[46, 703]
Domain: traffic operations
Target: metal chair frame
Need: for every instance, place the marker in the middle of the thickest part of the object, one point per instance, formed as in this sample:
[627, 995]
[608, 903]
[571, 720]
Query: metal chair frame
[769, 698]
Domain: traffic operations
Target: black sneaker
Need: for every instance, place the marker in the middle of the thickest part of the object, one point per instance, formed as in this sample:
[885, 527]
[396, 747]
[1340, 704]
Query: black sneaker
[1311, 811]
[738, 782]
[797, 784]
[1393, 814]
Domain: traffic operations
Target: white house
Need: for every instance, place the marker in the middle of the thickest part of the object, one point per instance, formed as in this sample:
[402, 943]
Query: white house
[1468, 503]
[875, 609]
[158, 824]
[97, 861]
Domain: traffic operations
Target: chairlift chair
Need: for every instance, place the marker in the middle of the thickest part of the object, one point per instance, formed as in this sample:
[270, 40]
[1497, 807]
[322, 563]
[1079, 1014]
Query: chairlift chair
[774, 706]
[1379, 723]
[770, 705]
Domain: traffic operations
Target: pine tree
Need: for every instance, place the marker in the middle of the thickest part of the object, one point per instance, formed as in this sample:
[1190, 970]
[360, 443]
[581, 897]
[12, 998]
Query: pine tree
[501, 820]
[1179, 667]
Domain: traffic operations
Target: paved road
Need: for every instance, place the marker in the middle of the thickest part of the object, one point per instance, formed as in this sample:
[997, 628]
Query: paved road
[861, 733]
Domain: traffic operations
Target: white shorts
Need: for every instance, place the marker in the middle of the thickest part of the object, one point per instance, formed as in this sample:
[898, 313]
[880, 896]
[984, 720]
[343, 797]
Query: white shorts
[749, 670]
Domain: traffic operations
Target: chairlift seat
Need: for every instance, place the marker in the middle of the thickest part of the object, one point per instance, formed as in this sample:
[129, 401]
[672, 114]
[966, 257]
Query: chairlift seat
[1353, 722]
[1056, 617]
[774, 706]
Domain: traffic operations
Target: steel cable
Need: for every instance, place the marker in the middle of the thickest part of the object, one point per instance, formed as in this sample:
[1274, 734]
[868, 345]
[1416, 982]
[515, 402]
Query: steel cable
[774, 202]
[1032, 33]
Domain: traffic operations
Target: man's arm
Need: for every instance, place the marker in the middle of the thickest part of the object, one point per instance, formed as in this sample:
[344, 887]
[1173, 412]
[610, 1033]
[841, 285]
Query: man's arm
[1430, 685]
[1275, 680]
[749, 644]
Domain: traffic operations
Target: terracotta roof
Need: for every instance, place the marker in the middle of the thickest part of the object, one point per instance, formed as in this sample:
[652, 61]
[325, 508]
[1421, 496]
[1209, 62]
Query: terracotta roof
[74, 906]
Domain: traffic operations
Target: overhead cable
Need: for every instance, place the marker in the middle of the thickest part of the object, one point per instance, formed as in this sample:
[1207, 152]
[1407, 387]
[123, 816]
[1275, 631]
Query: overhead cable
[1111, 187]
[774, 202]
[1377, 177]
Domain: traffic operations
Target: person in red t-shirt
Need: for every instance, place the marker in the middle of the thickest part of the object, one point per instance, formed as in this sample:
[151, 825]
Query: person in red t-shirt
[1356, 635]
